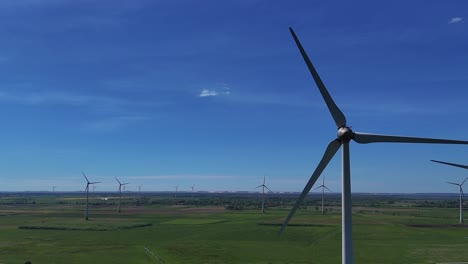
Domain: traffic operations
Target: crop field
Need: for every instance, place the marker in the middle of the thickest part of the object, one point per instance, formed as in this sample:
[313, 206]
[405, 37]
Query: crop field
[44, 229]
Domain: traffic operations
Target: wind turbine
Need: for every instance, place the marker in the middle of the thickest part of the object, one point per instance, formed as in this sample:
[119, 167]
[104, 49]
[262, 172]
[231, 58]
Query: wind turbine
[87, 193]
[458, 184]
[193, 188]
[120, 191]
[263, 194]
[323, 190]
[139, 188]
[344, 136]
[176, 190]
[53, 189]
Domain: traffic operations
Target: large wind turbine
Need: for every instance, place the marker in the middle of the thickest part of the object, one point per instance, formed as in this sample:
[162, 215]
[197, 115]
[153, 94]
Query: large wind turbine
[263, 194]
[87, 193]
[120, 192]
[458, 184]
[323, 190]
[344, 136]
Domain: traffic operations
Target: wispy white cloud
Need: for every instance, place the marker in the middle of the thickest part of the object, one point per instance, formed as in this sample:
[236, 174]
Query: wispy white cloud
[455, 20]
[113, 123]
[182, 177]
[37, 98]
[222, 90]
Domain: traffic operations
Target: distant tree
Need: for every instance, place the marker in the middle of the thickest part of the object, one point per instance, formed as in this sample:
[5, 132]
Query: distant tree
[28, 262]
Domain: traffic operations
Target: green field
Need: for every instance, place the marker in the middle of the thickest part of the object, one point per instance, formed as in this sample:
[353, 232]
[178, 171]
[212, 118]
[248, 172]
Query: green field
[51, 232]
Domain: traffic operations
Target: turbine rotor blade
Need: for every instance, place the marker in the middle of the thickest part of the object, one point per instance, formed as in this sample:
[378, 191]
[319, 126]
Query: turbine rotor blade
[327, 188]
[451, 164]
[327, 156]
[453, 183]
[94, 182]
[364, 138]
[117, 180]
[85, 177]
[268, 189]
[463, 181]
[338, 116]
[258, 186]
[318, 187]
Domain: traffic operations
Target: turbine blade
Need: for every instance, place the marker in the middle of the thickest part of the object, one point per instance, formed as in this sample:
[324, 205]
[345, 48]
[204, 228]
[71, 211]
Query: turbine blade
[126, 183]
[268, 189]
[85, 177]
[464, 181]
[327, 188]
[327, 156]
[258, 186]
[338, 116]
[94, 182]
[318, 187]
[453, 183]
[117, 180]
[365, 138]
[451, 164]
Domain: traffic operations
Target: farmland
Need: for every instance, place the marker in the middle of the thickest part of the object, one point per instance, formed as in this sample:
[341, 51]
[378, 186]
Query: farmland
[226, 229]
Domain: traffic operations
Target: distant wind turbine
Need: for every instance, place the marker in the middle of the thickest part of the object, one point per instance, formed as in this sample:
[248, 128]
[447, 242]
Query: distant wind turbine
[193, 189]
[323, 190]
[344, 136]
[87, 193]
[263, 194]
[120, 192]
[460, 185]
[176, 190]
[53, 189]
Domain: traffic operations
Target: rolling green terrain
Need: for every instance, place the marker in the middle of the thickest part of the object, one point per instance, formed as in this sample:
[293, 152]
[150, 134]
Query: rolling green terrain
[52, 230]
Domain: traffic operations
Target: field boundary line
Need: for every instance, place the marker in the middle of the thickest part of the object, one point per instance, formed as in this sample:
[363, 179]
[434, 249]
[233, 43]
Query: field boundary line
[154, 254]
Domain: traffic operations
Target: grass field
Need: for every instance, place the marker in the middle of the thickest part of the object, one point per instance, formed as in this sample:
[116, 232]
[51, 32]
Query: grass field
[54, 233]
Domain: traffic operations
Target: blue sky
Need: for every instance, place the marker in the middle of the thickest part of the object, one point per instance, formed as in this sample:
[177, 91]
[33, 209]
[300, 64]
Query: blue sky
[215, 93]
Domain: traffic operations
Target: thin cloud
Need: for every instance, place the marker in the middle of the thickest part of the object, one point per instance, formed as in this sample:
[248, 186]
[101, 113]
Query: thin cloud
[455, 20]
[38, 98]
[113, 123]
[181, 177]
[206, 93]
[221, 90]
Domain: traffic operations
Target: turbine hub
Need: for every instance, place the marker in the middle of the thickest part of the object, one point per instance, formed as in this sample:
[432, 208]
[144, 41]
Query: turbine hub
[345, 134]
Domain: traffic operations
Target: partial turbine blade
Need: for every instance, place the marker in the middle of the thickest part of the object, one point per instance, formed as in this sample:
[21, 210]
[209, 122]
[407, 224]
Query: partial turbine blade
[463, 181]
[365, 138]
[327, 156]
[318, 187]
[327, 188]
[268, 189]
[258, 186]
[117, 180]
[338, 116]
[94, 182]
[453, 183]
[85, 177]
[451, 164]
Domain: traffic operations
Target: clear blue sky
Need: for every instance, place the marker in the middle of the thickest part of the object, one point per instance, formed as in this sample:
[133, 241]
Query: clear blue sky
[215, 93]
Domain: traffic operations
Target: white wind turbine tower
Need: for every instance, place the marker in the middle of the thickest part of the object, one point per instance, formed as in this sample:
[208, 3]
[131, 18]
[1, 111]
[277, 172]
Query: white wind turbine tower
[176, 190]
[193, 189]
[87, 193]
[458, 184]
[323, 190]
[263, 193]
[120, 191]
[344, 136]
[53, 189]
